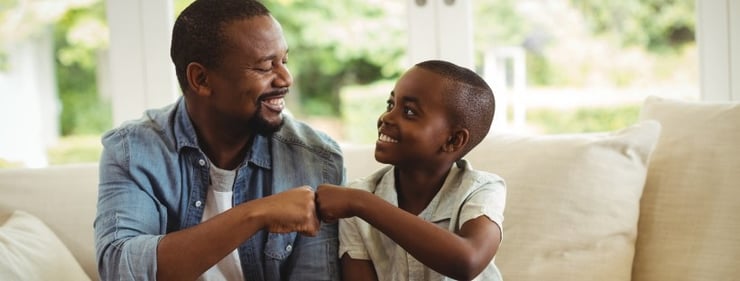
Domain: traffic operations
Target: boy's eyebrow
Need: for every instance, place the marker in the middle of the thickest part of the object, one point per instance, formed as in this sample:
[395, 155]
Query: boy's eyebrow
[410, 99]
[406, 98]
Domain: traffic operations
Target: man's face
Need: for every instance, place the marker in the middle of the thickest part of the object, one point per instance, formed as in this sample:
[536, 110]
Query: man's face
[252, 80]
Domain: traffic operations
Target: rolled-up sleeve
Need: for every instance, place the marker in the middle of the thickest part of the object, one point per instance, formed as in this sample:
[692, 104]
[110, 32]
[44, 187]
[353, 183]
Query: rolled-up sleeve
[129, 222]
[350, 239]
[489, 200]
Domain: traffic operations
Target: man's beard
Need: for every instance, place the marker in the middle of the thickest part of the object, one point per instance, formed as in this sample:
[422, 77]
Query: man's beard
[262, 126]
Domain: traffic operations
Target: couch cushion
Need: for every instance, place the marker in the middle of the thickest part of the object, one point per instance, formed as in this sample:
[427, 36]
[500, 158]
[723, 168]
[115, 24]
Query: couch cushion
[29, 250]
[689, 224]
[573, 201]
[63, 197]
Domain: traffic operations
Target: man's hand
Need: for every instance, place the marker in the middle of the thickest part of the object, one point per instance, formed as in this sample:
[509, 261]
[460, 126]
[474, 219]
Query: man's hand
[292, 210]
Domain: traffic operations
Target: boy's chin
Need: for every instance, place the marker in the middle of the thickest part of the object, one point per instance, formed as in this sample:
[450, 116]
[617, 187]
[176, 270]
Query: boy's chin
[383, 158]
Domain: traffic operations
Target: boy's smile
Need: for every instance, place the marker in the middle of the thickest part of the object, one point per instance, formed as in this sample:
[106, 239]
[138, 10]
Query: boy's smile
[386, 138]
[416, 124]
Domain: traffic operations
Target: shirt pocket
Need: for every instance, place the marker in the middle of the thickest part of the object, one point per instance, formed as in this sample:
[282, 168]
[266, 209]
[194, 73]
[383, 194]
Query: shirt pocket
[279, 245]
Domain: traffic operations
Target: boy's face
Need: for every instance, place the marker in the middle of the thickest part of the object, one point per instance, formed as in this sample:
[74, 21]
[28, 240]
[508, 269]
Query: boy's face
[415, 125]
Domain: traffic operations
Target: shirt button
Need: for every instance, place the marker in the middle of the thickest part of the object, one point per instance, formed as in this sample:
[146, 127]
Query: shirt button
[202, 162]
[289, 247]
[198, 203]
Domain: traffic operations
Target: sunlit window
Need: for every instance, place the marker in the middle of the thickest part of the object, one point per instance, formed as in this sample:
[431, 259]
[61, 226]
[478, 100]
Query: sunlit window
[557, 66]
[565, 66]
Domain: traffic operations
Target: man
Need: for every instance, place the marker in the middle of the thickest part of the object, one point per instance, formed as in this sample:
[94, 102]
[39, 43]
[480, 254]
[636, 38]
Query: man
[217, 186]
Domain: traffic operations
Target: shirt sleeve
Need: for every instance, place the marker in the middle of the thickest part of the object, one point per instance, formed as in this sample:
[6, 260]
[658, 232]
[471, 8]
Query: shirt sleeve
[350, 239]
[127, 222]
[488, 200]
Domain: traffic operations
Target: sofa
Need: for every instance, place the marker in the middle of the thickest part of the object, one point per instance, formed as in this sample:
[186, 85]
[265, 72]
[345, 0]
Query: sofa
[658, 200]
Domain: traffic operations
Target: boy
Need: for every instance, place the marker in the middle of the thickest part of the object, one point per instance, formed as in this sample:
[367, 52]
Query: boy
[428, 215]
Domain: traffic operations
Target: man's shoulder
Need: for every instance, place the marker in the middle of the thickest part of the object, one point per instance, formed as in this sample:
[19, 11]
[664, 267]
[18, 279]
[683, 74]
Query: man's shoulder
[295, 132]
[151, 124]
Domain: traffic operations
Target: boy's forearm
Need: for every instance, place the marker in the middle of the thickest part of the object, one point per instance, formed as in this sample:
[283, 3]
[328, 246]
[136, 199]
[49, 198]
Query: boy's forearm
[435, 247]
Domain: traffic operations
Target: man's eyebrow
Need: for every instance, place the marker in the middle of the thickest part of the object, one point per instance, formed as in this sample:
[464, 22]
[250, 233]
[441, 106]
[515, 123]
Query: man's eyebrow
[271, 57]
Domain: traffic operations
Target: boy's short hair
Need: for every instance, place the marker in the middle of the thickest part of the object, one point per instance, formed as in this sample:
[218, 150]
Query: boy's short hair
[470, 101]
[198, 36]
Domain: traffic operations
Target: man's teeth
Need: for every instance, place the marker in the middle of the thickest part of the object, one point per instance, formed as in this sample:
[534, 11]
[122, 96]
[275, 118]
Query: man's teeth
[386, 138]
[279, 101]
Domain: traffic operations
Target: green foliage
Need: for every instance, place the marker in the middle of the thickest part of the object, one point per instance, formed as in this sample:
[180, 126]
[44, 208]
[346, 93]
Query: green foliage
[499, 24]
[76, 149]
[583, 120]
[83, 111]
[661, 25]
[362, 107]
[339, 43]
[8, 164]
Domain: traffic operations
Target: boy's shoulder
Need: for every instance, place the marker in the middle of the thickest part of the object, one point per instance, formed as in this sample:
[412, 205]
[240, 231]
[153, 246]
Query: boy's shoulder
[481, 176]
[370, 182]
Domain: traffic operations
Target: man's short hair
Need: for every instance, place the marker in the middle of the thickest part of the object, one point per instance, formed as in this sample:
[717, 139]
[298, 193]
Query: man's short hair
[198, 36]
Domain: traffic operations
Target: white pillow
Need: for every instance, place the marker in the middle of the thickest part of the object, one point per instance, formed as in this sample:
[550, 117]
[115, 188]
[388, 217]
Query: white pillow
[690, 215]
[30, 251]
[573, 201]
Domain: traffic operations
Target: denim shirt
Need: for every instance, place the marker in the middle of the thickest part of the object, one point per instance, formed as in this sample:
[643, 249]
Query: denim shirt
[154, 179]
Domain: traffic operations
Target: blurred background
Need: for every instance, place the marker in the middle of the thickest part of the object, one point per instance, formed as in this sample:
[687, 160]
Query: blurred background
[557, 66]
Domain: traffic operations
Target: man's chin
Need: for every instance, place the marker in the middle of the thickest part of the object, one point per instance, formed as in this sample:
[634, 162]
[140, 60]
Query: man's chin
[267, 127]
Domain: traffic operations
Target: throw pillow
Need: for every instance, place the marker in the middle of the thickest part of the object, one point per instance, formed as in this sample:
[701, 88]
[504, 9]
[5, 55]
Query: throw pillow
[29, 250]
[573, 201]
[689, 221]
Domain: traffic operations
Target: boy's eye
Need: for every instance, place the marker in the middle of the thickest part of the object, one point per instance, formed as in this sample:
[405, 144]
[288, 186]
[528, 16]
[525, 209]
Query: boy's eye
[388, 105]
[408, 111]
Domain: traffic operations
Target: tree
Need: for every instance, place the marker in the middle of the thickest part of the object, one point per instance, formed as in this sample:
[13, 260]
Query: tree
[337, 43]
[659, 25]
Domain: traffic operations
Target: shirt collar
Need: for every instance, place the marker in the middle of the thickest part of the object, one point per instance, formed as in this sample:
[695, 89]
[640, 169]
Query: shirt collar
[443, 203]
[260, 152]
[185, 136]
[184, 131]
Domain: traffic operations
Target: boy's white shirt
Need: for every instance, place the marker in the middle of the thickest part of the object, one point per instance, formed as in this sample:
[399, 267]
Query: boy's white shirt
[466, 194]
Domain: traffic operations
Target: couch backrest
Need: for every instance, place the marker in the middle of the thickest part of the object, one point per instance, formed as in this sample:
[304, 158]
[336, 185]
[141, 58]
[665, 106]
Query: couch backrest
[63, 197]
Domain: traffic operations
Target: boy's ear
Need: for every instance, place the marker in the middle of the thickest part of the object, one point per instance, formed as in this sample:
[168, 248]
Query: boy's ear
[457, 141]
[197, 76]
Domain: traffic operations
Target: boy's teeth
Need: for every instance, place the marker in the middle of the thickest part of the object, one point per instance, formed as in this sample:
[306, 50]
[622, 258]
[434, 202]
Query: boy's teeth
[386, 138]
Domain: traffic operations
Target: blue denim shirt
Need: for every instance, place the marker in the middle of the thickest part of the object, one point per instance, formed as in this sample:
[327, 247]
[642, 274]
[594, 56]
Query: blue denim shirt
[154, 178]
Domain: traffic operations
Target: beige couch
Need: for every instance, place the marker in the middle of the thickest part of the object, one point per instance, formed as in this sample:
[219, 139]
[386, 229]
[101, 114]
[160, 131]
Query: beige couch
[657, 201]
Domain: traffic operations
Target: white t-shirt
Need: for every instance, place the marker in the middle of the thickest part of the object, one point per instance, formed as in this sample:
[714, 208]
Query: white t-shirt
[466, 194]
[219, 199]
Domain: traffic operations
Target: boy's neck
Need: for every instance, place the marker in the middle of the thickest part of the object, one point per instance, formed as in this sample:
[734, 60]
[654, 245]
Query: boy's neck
[415, 188]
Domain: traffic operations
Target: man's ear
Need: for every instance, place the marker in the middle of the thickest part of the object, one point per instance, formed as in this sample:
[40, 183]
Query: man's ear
[197, 76]
[457, 141]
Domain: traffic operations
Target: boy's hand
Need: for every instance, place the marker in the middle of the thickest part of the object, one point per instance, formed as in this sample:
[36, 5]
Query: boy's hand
[334, 202]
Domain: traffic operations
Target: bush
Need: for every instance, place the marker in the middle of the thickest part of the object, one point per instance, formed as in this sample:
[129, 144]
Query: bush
[583, 120]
